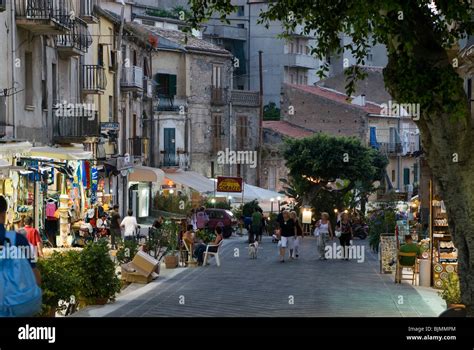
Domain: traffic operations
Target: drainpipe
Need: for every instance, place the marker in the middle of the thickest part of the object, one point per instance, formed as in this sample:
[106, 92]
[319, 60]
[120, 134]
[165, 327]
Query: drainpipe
[14, 100]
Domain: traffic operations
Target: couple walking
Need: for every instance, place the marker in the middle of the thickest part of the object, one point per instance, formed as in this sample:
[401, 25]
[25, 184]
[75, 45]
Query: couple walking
[324, 233]
[290, 234]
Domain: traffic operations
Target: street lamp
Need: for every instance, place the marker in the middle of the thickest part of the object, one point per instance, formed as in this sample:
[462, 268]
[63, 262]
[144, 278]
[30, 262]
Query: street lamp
[271, 205]
[278, 199]
[213, 201]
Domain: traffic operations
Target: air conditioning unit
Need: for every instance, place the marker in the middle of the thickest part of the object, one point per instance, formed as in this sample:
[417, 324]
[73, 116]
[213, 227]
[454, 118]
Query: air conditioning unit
[3, 5]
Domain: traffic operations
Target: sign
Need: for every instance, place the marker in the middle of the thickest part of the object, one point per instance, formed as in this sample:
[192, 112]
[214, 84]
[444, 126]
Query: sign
[94, 182]
[124, 163]
[229, 184]
[109, 126]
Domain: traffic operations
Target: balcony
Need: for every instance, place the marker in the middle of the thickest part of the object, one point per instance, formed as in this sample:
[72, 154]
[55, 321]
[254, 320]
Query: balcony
[44, 16]
[390, 148]
[217, 96]
[228, 32]
[300, 61]
[76, 42]
[174, 160]
[74, 123]
[87, 11]
[93, 79]
[165, 103]
[137, 146]
[245, 98]
[132, 79]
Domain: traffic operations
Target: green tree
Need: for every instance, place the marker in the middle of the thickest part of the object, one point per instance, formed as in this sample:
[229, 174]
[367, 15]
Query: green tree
[422, 68]
[271, 112]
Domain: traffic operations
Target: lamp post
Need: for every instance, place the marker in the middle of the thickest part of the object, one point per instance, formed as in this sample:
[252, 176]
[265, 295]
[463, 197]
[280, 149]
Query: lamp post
[213, 201]
[271, 205]
[279, 199]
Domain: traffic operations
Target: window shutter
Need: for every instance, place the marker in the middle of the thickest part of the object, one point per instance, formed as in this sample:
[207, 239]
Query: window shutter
[406, 176]
[172, 85]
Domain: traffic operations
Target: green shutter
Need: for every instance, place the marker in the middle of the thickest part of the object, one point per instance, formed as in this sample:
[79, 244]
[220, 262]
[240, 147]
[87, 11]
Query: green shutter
[406, 176]
[172, 85]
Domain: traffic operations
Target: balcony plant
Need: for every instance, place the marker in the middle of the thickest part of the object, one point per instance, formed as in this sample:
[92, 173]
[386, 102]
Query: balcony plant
[451, 292]
[98, 282]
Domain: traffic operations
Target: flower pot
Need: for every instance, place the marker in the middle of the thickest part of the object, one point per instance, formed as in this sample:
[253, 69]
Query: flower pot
[171, 261]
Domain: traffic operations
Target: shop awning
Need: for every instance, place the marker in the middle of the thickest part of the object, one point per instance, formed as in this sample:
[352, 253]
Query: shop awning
[146, 174]
[193, 180]
[9, 149]
[61, 153]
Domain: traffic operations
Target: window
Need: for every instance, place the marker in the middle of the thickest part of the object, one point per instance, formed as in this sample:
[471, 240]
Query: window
[240, 87]
[393, 175]
[469, 90]
[216, 132]
[272, 171]
[135, 59]
[300, 49]
[291, 47]
[240, 11]
[54, 75]
[415, 173]
[111, 109]
[292, 78]
[305, 80]
[100, 55]
[166, 84]
[406, 176]
[3, 115]
[112, 59]
[308, 50]
[216, 76]
[242, 131]
[44, 95]
[241, 25]
[28, 79]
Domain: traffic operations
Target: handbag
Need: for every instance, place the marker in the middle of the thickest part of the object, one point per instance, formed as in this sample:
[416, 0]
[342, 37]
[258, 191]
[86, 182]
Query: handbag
[316, 232]
[337, 233]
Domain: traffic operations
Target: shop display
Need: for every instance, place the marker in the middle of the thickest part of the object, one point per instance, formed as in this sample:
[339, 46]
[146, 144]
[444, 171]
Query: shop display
[388, 253]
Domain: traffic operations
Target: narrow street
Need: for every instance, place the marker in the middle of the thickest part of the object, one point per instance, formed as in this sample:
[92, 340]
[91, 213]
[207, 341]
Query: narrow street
[265, 287]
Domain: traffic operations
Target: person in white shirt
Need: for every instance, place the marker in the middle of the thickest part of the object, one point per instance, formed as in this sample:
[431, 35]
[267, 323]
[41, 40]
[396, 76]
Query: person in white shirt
[129, 225]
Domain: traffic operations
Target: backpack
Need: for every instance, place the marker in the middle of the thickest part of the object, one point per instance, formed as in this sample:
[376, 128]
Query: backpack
[201, 219]
[20, 296]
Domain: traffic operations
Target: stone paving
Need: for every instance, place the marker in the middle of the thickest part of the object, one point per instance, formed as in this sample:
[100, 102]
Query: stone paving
[266, 287]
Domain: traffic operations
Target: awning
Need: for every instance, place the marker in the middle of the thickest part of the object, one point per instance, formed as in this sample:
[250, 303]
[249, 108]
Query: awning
[9, 149]
[146, 174]
[193, 180]
[61, 153]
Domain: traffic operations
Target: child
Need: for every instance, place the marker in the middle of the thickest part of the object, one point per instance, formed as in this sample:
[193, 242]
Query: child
[277, 233]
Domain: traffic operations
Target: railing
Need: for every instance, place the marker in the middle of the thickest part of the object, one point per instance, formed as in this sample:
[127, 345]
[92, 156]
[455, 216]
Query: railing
[93, 78]
[165, 103]
[178, 159]
[132, 77]
[217, 96]
[136, 146]
[75, 121]
[78, 38]
[390, 147]
[245, 98]
[87, 8]
[55, 10]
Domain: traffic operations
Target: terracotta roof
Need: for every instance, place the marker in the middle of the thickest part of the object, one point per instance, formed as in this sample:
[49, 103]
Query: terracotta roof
[287, 129]
[192, 43]
[336, 96]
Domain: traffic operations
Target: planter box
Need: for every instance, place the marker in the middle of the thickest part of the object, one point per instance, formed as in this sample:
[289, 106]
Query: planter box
[171, 261]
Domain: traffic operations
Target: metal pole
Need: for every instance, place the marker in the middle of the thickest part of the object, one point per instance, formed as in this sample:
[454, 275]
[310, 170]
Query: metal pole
[260, 130]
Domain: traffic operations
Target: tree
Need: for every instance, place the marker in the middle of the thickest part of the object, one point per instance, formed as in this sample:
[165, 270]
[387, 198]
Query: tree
[420, 37]
[325, 170]
[271, 112]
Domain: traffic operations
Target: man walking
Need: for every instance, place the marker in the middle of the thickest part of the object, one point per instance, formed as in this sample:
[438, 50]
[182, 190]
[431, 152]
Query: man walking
[129, 225]
[33, 236]
[256, 224]
[115, 233]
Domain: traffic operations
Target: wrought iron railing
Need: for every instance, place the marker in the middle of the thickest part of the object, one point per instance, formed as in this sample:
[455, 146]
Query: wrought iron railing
[78, 38]
[60, 11]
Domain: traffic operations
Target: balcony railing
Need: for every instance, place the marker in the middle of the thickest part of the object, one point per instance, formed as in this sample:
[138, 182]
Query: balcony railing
[94, 80]
[301, 61]
[77, 41]
[217, 96]
[174, 160]
[137, 146]
[44, 16]
[87, 10]
[132, 78]
[74, 122]
[245, 98]
[165, 103]
[390, 147]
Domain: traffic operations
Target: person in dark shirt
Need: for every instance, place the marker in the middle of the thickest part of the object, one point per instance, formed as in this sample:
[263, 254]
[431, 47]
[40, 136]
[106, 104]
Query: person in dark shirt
[288, 234]
[115, 232]
[20, 240]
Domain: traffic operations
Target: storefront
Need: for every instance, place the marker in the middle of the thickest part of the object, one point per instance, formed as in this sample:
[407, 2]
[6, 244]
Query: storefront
[143, 181]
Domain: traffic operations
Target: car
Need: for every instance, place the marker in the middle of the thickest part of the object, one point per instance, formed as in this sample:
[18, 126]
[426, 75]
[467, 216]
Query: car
[223, 218]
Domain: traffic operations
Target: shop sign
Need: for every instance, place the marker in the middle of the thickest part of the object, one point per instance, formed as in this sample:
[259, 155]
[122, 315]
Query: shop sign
[111, 126]
[94, 182]
[124, 163]
[229, 184]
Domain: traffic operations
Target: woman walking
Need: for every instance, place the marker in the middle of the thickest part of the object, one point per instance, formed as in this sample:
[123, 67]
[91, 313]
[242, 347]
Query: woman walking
[324, 234]
[346, 235]
[288, 233]
[299, 234]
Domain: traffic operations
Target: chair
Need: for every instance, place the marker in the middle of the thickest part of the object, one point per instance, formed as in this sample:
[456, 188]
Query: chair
[216, 254]
[189, 252]
[400, 267]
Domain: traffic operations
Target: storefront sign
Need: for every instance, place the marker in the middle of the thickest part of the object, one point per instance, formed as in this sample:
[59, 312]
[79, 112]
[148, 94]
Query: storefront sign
[229, 184]
[124, 163]
[94, 183]
[109, 126]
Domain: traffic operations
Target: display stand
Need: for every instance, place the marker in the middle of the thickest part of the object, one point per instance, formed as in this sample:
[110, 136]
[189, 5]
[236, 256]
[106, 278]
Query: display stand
[388, 252]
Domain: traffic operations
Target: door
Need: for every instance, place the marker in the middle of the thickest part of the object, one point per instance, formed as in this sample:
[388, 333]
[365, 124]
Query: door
[169, 147]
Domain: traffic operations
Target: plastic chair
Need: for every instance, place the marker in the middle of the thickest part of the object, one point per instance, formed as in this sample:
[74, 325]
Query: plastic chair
[215, 254]
[400, 267]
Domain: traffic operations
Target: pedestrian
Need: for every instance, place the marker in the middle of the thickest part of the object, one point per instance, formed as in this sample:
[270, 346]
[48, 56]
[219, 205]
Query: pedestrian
[33, 236]
[158, 223]
[345, 228]
[115, 233]
[323, 233]
[299, 234]
[20, 274]
[201, 248]
[256, 225]
[102, 225]
[129, 225]
[288, 233]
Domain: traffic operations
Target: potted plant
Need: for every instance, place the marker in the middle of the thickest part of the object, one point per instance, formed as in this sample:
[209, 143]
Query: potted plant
[58, 280]
[171, 231]
[451, 292]
[126, 251]
[98, 282]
